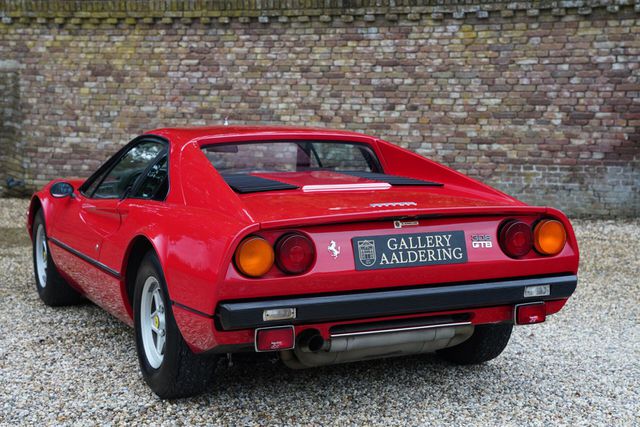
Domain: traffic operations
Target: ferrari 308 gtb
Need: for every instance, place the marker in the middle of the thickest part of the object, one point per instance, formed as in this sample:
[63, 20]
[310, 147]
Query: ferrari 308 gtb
[323, 246]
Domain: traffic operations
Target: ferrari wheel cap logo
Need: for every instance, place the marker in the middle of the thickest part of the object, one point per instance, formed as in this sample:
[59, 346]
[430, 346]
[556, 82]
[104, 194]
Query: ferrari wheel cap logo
[333, 249]
[367, 252]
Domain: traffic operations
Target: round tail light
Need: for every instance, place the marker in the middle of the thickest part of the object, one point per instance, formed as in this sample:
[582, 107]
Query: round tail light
[295, 253]
[549, 237]
[516, 239]
[254, 257]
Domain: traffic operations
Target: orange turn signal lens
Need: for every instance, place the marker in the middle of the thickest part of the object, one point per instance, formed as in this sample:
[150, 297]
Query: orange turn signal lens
[254, 257]
[549, 237]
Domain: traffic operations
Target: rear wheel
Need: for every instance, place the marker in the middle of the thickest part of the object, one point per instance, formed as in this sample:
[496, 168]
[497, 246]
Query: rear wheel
[168, 366]
[486, 343]
[52, 288]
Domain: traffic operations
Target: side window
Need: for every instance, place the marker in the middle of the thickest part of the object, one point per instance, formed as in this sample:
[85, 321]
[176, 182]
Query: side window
[94, 184]
[156, 182]
[124, 174]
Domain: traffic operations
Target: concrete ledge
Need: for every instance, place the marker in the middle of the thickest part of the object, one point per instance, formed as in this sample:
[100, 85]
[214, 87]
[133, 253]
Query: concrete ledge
[70, 12]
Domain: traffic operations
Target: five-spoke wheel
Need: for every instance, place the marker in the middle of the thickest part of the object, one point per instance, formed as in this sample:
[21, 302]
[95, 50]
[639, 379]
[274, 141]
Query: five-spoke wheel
[153, 323]
[168, 365]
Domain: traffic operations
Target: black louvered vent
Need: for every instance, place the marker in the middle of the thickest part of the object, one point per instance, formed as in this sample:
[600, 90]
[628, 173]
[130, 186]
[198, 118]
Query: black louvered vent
[245, 183]
[392, 179]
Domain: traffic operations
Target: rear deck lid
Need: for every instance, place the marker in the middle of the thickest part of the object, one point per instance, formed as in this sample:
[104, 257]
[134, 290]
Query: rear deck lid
[316, 195]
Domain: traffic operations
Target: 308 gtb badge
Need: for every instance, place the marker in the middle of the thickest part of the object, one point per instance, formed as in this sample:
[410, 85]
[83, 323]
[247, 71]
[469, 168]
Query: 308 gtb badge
[481, 241]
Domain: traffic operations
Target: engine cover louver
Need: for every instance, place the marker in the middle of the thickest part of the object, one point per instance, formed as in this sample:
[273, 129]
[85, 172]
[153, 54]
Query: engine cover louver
[245, 183]
[391, 179]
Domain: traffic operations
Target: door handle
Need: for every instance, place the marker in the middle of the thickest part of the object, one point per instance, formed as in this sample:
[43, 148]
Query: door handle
[97, 209]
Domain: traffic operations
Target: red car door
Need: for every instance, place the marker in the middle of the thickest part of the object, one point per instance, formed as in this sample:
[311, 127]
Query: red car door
[78, 230]
[102, 219]
[93, 216]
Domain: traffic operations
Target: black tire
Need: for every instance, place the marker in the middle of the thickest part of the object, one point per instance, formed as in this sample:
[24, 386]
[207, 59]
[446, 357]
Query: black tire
[486, 343]
[181, 373]
[55, 291]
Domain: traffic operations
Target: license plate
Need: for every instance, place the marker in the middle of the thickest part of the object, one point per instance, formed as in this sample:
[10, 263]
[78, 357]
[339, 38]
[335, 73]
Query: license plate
[409, 250]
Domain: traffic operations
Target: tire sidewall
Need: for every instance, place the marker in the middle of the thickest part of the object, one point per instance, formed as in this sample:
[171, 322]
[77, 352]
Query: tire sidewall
[43, 291]
[157, 378]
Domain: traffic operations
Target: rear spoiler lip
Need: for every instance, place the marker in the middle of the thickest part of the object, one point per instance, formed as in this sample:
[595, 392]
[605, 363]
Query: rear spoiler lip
[393, 214]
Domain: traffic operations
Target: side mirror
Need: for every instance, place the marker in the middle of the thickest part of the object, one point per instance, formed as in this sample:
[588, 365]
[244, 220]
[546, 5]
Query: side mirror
[61, 189]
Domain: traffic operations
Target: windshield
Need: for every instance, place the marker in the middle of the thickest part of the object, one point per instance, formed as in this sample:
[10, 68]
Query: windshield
[291, 156]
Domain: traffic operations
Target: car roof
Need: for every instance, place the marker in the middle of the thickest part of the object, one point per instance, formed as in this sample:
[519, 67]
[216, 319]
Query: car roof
[187, 134]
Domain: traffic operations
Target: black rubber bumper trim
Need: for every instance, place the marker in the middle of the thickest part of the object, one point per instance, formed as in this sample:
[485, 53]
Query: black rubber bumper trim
[317, 309]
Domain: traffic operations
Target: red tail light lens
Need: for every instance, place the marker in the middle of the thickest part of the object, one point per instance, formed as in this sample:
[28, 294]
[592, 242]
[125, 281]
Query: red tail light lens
[295, 253]
[516, 239]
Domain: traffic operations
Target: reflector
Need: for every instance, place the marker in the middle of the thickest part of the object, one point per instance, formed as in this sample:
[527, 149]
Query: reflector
[528, 314]
[275, 339]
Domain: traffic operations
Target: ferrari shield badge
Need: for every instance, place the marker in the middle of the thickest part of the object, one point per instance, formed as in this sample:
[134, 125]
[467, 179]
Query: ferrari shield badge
[367, 252]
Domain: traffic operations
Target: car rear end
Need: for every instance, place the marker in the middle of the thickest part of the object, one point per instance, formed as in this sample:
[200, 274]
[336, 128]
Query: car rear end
[347, 265]
[354, 290]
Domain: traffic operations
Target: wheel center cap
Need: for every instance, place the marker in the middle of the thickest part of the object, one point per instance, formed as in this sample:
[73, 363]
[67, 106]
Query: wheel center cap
[156, 321]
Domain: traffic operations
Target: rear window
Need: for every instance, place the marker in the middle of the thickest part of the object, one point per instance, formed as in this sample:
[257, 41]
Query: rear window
[291, 156]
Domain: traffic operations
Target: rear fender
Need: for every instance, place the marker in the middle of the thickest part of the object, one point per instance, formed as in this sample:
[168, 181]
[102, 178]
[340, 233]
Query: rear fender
[399, 161]
[571, 236]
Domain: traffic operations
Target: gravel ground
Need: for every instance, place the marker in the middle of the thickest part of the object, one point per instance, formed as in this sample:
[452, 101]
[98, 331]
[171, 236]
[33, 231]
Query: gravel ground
[78, 365]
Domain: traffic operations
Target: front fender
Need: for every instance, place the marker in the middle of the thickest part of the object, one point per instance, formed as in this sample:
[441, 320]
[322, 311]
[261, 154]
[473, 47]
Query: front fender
[42, 199]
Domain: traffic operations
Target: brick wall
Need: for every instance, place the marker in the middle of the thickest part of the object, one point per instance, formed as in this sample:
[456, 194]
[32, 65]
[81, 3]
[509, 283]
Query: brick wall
[11, 170]
[540, 99]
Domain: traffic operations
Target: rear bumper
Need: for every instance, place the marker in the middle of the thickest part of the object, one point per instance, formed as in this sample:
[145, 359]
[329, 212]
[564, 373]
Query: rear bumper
[318, 309]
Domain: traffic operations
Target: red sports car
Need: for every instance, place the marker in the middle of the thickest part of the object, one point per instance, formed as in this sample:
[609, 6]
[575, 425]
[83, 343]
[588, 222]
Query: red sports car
[324, 246]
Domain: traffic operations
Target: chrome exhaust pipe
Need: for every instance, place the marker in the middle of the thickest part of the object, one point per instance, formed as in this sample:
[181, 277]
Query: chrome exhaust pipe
[313, 350]
[312, 342]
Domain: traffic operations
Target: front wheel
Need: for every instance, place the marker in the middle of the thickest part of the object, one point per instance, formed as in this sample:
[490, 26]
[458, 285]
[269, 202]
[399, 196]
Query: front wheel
[168, 366]
[52, 289]
[486, 343]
